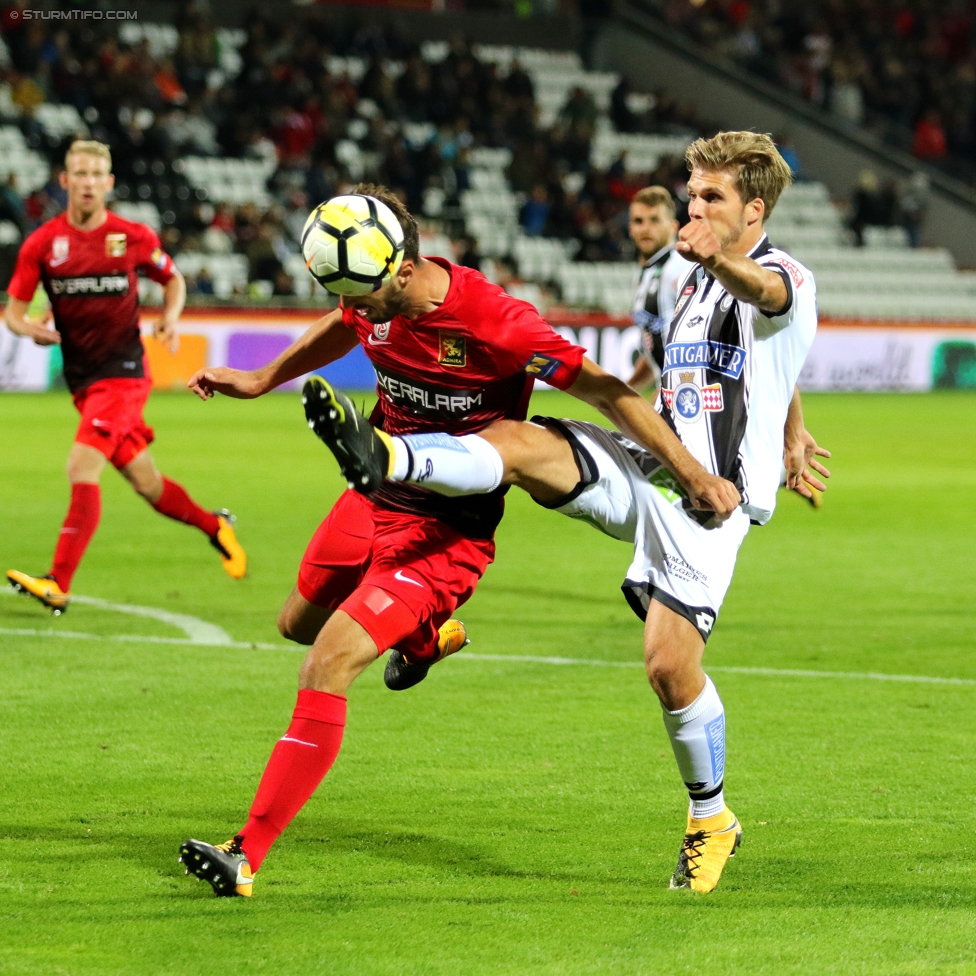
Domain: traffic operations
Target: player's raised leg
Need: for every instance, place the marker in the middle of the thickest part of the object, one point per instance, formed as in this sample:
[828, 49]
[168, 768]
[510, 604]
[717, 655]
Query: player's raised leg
[536, 458]
[172, 500]
[695, 721]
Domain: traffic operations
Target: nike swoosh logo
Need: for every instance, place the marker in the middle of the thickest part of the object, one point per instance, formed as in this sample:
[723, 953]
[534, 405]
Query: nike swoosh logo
[301, 742]
[406, 579]
[376, 342]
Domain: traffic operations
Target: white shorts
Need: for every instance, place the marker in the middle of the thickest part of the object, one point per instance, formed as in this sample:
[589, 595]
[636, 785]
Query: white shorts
[625, 492]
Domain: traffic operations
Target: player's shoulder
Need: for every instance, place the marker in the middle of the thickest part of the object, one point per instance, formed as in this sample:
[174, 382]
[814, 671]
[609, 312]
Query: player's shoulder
[46, 232]
[477, 299]
[770, 254]
[131, 228]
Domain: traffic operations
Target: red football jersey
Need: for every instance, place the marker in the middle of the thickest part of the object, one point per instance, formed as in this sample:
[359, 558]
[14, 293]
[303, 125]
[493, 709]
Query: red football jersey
[459, 368]
[91, 280]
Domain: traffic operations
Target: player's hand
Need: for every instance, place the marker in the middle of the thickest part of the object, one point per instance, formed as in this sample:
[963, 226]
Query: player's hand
[697, 242]
[43, 332]
[238, 383]
[802, 467]
[164, 331]
[710, 493]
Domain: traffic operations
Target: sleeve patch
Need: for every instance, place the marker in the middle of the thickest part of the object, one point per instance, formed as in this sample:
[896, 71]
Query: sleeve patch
[796, 275]
[159, 259]
[542, 367]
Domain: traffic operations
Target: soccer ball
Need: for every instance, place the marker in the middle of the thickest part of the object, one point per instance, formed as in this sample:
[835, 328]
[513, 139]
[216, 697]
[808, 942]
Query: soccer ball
[352, 244]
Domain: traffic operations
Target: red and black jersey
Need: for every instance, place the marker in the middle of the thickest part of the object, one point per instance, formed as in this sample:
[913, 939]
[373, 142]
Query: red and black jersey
[469, 362]
[91, 280]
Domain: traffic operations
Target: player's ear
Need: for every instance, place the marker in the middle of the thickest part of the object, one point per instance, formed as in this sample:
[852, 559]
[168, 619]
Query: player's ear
[405, 272]
[755, 210]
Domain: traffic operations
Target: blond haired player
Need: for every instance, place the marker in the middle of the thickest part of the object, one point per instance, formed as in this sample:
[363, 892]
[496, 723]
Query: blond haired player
[742, 328]
[88, 260]
[654, 230]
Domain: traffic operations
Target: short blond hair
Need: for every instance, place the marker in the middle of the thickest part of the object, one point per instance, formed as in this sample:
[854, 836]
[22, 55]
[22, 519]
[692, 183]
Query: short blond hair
[90, 148]
[758, 169]
[655, 196]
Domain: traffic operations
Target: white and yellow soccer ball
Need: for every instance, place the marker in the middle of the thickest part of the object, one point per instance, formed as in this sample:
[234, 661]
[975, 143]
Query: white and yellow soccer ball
[352, 244]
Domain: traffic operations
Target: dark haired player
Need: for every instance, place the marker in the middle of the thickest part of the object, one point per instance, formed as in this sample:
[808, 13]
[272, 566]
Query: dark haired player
[454, 353]
[88, 260]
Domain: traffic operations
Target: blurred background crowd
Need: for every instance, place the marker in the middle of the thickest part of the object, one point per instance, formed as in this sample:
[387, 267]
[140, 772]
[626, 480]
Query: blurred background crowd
[313, 102]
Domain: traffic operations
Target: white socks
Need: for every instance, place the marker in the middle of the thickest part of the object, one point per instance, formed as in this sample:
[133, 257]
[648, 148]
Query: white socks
[465, 465]
[697, 734]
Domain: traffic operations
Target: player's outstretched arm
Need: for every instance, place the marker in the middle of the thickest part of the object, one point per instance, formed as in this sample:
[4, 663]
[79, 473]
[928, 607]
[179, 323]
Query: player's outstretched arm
[801, 451]
[326, 341]
[40, 330]
[741, 277]
[636, 418]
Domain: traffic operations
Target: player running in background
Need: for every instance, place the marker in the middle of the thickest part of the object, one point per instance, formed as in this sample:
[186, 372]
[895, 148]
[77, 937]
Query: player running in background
[655, 232]
[741, 333]
[452, 352]
[88, 259]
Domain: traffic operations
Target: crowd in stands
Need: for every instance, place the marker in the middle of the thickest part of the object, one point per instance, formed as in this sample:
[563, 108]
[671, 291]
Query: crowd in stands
[905, 69]
[296, 101]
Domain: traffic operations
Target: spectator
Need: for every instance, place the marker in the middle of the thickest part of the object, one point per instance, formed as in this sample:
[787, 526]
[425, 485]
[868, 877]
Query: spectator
[871, 205]
[912, 204]
[929, 141]
[535, 212]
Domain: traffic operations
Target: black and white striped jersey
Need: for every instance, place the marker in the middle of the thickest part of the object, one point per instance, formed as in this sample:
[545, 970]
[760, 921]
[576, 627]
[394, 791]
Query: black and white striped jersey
[657, 291]
[729, 373]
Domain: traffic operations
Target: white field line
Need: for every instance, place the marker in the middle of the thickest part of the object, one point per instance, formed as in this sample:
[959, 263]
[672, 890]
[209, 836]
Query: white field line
[198, 631]
[503, 658]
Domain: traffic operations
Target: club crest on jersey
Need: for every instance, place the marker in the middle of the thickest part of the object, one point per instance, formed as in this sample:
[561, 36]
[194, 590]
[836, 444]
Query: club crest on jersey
[115, 245]
[453, 349]
[689, 402]
[726, 303]
[381, 331]
[59, 250]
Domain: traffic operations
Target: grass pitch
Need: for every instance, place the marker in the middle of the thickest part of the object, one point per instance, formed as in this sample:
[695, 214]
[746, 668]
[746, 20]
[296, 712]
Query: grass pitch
[503, 817]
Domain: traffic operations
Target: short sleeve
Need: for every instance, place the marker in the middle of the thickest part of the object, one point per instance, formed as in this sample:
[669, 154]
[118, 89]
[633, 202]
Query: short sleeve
[27, 271]
[793, 277]
[537, 349]
[153, 261]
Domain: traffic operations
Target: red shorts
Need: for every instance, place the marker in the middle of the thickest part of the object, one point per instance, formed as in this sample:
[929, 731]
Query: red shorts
[111, 418]
[399, 576]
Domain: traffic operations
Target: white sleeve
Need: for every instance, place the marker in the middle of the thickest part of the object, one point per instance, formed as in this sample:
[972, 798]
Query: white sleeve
[675, 271]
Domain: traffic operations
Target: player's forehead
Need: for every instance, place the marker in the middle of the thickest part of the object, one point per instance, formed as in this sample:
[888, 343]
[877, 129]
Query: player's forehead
[643, 212]
[82, 162]
[712, 181]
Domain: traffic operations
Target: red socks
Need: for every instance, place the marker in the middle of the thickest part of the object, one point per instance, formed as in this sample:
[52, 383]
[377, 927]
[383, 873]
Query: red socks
[79, 526]
[298, 763]
[175, 503]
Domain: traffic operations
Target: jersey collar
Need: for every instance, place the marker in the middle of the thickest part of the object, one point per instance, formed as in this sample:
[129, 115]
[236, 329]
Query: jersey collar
[654, 258]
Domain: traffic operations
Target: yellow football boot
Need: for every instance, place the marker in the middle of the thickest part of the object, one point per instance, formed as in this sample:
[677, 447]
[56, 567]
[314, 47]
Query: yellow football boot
[42, 588]
[402, 673]
[225, 542]
[708, 844]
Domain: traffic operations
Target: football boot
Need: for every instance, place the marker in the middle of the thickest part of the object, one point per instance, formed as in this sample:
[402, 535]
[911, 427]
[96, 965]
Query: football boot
[707, 845]
[365, 455]
[402, 673]
[225, 866]
[232, 553]
[42, 588]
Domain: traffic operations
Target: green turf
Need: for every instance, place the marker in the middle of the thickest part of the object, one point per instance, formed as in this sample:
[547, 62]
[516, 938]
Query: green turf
[503, 817]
